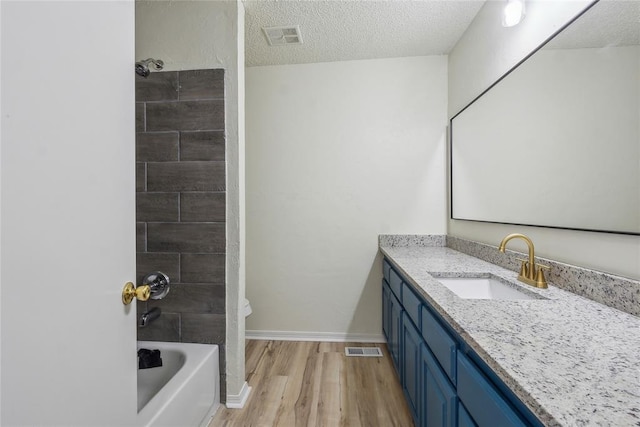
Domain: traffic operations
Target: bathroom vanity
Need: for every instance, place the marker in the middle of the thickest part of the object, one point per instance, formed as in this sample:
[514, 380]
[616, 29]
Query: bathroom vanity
[553, 358]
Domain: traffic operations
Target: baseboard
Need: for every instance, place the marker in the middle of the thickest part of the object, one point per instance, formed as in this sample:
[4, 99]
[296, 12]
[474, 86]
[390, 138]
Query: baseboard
[237, 401]
[313, 336]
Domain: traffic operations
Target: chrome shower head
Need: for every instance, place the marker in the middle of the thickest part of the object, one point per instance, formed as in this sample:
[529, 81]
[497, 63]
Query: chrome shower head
[142, 67]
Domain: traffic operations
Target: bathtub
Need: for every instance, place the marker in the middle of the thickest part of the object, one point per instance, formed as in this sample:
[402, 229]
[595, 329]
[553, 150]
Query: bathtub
[185, 391]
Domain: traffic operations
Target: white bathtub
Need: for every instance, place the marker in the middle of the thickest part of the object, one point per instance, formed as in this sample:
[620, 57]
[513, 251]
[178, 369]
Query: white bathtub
[185, 391]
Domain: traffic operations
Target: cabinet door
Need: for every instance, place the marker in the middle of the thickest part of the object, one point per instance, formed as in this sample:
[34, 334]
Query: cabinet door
[464, 419]
[483, 401]
[395, 331]
[386, 315]
[439, 401]
[411, 341]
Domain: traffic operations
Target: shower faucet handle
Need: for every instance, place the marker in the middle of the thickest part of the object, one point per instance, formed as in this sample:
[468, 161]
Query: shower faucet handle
[158, 283]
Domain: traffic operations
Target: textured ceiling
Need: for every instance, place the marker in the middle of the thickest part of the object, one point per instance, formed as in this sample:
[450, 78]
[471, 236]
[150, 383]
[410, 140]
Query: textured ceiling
[356, 29]
[607, 23]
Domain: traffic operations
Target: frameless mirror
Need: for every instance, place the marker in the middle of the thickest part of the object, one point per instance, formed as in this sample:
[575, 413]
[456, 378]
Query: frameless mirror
[556, 141]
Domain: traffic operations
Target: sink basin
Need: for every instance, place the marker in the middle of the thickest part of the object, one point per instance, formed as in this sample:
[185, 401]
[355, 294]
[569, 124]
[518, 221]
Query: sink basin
[484, 288]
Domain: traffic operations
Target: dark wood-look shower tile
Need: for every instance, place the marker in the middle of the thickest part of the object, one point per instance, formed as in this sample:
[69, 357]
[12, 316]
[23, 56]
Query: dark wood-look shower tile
[202, 145]
[157, 207]
[203, 207]
[165, 328]
[186, 237]
[203, 328]
[157, 146]
[159, 86]
[185, 115]
[203, 268]
[140, 122]
[186, 176]
[141, 237]
[193, 298]
[149, 262]
[202, 84]
[141, 177]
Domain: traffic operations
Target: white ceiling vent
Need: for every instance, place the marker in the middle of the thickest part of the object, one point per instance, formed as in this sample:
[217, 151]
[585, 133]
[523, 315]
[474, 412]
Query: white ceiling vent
[281, 36]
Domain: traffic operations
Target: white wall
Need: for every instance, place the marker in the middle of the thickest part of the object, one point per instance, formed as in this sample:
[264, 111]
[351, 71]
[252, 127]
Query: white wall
[189, 35]
[338, 153]
[483, 54]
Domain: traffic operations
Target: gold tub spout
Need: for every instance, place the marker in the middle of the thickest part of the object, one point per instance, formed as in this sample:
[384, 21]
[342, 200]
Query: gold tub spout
[530, 273]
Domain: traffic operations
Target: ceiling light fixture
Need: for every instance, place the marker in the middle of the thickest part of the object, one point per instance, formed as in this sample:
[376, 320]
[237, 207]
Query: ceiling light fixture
[513, 13]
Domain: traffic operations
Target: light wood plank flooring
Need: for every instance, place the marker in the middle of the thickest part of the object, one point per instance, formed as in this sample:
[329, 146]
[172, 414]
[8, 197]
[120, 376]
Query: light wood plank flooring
[314, 384]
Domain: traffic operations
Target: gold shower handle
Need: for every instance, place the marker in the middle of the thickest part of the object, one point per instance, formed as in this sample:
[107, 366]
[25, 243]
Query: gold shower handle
[129, 292]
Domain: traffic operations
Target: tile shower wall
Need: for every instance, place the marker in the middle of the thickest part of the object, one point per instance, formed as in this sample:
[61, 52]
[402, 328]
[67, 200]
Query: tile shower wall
[180, 203]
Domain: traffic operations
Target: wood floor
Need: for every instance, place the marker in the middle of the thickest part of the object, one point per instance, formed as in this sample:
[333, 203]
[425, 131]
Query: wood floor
[314, 384]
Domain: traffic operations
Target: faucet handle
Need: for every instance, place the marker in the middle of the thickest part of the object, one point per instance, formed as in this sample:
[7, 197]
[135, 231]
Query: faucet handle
[524, 267]
[159, 284]
[541, 281]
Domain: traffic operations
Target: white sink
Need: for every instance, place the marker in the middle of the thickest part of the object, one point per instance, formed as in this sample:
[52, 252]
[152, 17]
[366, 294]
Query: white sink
[484, 288]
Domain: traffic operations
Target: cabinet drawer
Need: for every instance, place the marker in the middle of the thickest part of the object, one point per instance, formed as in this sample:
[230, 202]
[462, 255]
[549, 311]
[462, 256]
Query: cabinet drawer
[484, 403]
[395, 283]
[411, 304]
[386, 268]
[440, 342]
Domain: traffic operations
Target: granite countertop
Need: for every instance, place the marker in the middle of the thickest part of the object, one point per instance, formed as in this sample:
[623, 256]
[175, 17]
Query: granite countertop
[572, 361]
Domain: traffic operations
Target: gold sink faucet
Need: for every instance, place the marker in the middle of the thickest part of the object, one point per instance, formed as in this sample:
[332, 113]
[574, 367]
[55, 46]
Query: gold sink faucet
[530, 272]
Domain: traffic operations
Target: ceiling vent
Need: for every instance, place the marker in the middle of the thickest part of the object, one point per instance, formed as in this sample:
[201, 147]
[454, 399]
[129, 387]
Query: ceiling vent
[281, 36]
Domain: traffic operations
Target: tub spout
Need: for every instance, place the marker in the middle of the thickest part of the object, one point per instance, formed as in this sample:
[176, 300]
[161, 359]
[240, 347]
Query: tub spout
[149, 316]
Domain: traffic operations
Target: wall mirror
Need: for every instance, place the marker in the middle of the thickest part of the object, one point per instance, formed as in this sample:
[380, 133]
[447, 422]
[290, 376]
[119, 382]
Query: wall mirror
[555, 142]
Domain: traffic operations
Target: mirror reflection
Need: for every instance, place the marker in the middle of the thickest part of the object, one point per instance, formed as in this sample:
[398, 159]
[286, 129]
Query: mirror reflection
[556, 142]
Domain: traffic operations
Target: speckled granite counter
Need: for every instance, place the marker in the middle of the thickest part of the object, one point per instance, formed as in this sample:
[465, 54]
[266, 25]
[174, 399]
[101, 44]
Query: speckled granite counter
[572, 361]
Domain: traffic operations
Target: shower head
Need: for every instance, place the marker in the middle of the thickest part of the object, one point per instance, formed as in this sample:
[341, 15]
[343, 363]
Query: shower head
[142, 67]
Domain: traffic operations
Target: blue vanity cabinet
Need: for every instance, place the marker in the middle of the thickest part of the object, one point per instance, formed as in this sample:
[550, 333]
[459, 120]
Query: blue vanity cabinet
[411, 385]
[439, 402]
[445, 383]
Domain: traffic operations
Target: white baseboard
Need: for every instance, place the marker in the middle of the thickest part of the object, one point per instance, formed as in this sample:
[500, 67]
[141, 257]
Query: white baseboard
[313, 336]
[237, 401]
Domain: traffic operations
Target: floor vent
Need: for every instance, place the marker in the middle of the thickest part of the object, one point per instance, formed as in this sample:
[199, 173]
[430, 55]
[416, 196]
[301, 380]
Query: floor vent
[363, 351]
